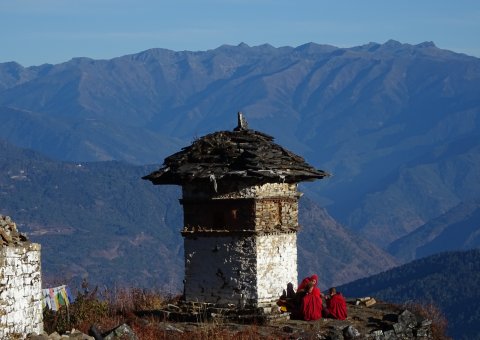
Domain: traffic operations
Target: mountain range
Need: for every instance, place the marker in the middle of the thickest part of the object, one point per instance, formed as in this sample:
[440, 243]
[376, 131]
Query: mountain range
[397, 124]
[457, 229]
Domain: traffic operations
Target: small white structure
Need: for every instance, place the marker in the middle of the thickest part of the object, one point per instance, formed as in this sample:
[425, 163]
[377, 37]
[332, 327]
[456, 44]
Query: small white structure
[240, 203]
[20, 283]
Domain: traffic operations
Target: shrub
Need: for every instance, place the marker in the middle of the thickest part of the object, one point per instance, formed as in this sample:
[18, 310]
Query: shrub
[431, 312]
[106, 310]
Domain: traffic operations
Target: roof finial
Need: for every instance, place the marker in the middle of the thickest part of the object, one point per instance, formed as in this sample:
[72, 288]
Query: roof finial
[242, 123]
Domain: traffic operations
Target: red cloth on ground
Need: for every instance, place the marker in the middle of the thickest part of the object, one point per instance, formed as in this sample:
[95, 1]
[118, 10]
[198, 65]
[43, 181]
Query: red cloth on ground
[311, 308]
[337, 307]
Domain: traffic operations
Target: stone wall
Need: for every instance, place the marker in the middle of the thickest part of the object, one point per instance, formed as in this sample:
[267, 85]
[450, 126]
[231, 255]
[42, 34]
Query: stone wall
[251, 270]
[20, 283]
[272, 214]
[276, 266]
[221, 269]
[239, 190]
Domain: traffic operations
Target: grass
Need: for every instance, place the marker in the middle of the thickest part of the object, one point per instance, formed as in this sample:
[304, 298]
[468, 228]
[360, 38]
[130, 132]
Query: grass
[109, 309]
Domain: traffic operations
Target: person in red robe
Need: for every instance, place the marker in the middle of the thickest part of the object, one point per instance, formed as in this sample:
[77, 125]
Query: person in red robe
[311, 299]
[336, 305]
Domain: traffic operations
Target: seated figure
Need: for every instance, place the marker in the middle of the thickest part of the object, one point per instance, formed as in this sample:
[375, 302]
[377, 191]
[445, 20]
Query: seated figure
[287, 301]
[306, 303]
[336, 305]
[310, 299]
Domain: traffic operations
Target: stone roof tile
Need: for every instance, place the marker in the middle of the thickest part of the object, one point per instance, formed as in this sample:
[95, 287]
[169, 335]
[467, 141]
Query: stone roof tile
[241, 154]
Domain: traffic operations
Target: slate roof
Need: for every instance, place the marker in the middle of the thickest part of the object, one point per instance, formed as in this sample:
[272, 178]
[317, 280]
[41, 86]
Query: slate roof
[242, 154]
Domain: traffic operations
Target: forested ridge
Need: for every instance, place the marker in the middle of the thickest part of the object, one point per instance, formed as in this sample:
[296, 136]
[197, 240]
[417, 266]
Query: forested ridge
[450, 280]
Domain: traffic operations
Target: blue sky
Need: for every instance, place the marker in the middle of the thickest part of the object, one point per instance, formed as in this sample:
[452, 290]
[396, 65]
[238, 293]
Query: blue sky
[33, 32]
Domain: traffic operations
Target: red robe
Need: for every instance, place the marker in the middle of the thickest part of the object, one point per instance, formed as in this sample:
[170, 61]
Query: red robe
[306, 280]
[337, 307]
[303, 284]
[311, 307]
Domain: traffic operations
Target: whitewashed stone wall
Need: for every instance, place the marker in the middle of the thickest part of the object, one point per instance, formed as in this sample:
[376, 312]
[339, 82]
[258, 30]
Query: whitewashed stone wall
[276, 265]
[221, 269]
[250, 270]
[20, 290]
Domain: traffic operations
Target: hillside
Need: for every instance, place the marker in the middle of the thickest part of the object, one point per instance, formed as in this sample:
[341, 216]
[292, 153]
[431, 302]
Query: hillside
[397, 124]
[100, 221]
[457, 229]
[334, 252]
[449, 280]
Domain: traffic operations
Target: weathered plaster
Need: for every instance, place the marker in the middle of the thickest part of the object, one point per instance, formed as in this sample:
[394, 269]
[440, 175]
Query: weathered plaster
[20, 290]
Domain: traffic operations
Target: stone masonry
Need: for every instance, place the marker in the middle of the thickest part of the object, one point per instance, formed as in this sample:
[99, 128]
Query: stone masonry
[250, 255]
[240, 204]
[20, 283]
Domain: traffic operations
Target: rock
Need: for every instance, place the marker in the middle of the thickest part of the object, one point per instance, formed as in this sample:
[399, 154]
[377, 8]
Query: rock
[77, 335]
[173, 329]
[336, 335]
[422, 332]
[93, 331]
[73, 335]
[407, 318]
[409, 333]
[123, 332]
[426, 323]
[389, 335]
[350, 332]
[54, 336]
[399, 328]
[35, 336]
[9, 234]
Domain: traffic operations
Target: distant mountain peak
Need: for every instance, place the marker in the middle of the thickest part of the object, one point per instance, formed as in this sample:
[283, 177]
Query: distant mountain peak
[266, 45]
[392, 44]
[426, 44]
[81, 60]
[12, 64]
[396, 44]
[312, 47]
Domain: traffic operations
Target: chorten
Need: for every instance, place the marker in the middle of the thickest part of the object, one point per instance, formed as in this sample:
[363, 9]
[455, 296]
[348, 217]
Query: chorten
[240, 203]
